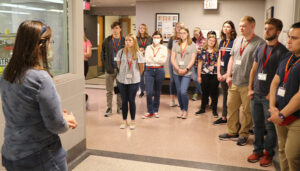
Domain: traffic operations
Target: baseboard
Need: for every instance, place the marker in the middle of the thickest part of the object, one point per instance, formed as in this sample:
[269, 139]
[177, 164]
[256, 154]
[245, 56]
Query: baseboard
[75, 151]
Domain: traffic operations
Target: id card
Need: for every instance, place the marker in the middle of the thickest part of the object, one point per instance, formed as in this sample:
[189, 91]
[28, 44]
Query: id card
[238, 62]
[211, 68]
[222, 63]
[206, 70]
[181, 63]
[281, 91]
[129, 76]
[262, 76]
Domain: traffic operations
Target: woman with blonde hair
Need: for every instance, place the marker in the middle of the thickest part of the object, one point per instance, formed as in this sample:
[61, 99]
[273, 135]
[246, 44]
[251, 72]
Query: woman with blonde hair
[183, 57]
[143, 40]
[130, 64]
[207, 74]
[199, 41]
[173, 40]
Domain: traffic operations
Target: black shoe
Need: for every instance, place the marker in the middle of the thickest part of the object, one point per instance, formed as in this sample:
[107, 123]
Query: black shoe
[227, 137]
[142, 94]
[108, 112]
[215, 114]
[242, 141]
[200, 112]
[220, 121]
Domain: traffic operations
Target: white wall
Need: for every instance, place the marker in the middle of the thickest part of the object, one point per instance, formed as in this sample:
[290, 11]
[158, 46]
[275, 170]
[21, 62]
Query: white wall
[287, 18]
[193, 14]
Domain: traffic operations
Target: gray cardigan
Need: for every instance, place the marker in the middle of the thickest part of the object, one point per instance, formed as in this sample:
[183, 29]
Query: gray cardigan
[33, 114]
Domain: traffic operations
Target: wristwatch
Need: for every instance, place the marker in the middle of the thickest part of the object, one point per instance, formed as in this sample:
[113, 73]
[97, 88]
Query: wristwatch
[281, 116]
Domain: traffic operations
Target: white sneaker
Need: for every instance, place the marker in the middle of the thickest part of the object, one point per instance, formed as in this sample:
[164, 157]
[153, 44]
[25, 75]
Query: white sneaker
[132, 125]
[156, 115]
[179, 115]
[184, 115]
[123, 124]
[172, 103]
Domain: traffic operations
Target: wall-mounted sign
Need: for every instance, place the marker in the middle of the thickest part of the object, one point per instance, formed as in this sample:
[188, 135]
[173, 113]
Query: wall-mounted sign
[210, 4]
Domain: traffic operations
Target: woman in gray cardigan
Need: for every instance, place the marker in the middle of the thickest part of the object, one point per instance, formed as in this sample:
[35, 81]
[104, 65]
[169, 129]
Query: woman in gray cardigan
[31, 105]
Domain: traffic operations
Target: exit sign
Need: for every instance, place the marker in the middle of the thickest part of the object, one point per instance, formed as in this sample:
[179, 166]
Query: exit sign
[210, 4]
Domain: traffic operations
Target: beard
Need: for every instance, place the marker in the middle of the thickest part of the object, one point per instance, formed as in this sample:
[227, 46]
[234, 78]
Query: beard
[271, 37]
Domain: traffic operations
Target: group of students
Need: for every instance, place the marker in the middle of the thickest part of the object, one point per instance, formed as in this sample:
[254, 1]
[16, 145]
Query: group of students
[245, 66]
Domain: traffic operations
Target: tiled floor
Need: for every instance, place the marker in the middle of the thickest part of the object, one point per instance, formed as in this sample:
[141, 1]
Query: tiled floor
[194, 139]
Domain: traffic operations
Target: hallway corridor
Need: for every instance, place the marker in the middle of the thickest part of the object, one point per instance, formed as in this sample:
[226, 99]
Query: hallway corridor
[190, 143]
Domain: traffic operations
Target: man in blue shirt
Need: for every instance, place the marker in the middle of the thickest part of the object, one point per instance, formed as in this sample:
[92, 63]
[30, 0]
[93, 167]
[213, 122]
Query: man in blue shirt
[284, 103]
[267, 58]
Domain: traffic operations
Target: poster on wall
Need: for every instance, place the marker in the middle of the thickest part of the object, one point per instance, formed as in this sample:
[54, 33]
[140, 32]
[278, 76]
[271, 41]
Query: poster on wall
[165, 23]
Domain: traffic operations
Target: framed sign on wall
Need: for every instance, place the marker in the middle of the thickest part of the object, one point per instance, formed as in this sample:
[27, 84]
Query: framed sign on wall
[165, 23]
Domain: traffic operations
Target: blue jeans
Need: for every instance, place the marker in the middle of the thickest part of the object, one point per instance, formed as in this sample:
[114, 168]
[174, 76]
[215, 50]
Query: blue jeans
[154, 79]
[259, 110]
[198, 89]
[52, 157]
[128, 93]
[182, 85]
[172, 82]
[142, 83]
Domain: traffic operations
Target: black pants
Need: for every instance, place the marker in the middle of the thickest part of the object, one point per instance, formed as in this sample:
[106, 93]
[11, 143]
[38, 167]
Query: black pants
[225, 94]
[86, 68]
[209, 86]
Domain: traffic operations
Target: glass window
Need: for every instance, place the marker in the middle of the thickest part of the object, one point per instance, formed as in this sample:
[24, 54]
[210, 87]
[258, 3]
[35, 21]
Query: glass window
[51, 12]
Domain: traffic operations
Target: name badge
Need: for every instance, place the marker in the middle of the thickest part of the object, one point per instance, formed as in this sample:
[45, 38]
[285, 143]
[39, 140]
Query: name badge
[262, 76]
[281, 91]
[206, 70]
[181, 62]
[238, 62]
[211, 68]
[222, 63]
[128, 75]
[115, 58]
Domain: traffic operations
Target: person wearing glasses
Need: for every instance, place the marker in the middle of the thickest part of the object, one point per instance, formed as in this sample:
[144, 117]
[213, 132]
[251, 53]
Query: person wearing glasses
[31, 104]
[183, 57]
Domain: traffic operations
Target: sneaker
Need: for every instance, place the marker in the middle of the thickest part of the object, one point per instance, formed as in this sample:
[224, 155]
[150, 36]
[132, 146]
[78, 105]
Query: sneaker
[266, 160]
[147, 115]
[242, 141]
[172, 103]
[184, 115]
[215, 114]
[142, 94]
[132, 125]
[156, 115]
[179, 115]
[119, 110]
[227, 137]
[108, 112]
[219, 121]
[195, 97]
[254, 157]
[123, 124]
[200, 112]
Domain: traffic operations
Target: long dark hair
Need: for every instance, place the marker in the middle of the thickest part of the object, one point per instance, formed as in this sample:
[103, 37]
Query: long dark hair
[232, 33]
[32, 40]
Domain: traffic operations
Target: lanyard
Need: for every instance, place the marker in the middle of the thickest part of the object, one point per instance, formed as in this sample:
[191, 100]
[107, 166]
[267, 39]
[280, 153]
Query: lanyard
[224, 48]
[243, 48]
[156, 51]
[208, 58]
[116, 48]
[143, 43]
[287, 70]
[129, 64]
[182, 52]
[265, 61]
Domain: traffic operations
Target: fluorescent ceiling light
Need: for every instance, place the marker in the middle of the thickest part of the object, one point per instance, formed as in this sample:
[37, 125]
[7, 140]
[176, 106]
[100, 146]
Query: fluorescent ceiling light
[22, 7]
[56, 10]
[14, 12]
[55, 1]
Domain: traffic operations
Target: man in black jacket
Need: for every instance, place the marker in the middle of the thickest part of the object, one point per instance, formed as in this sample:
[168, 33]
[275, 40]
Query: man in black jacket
[111, 45]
